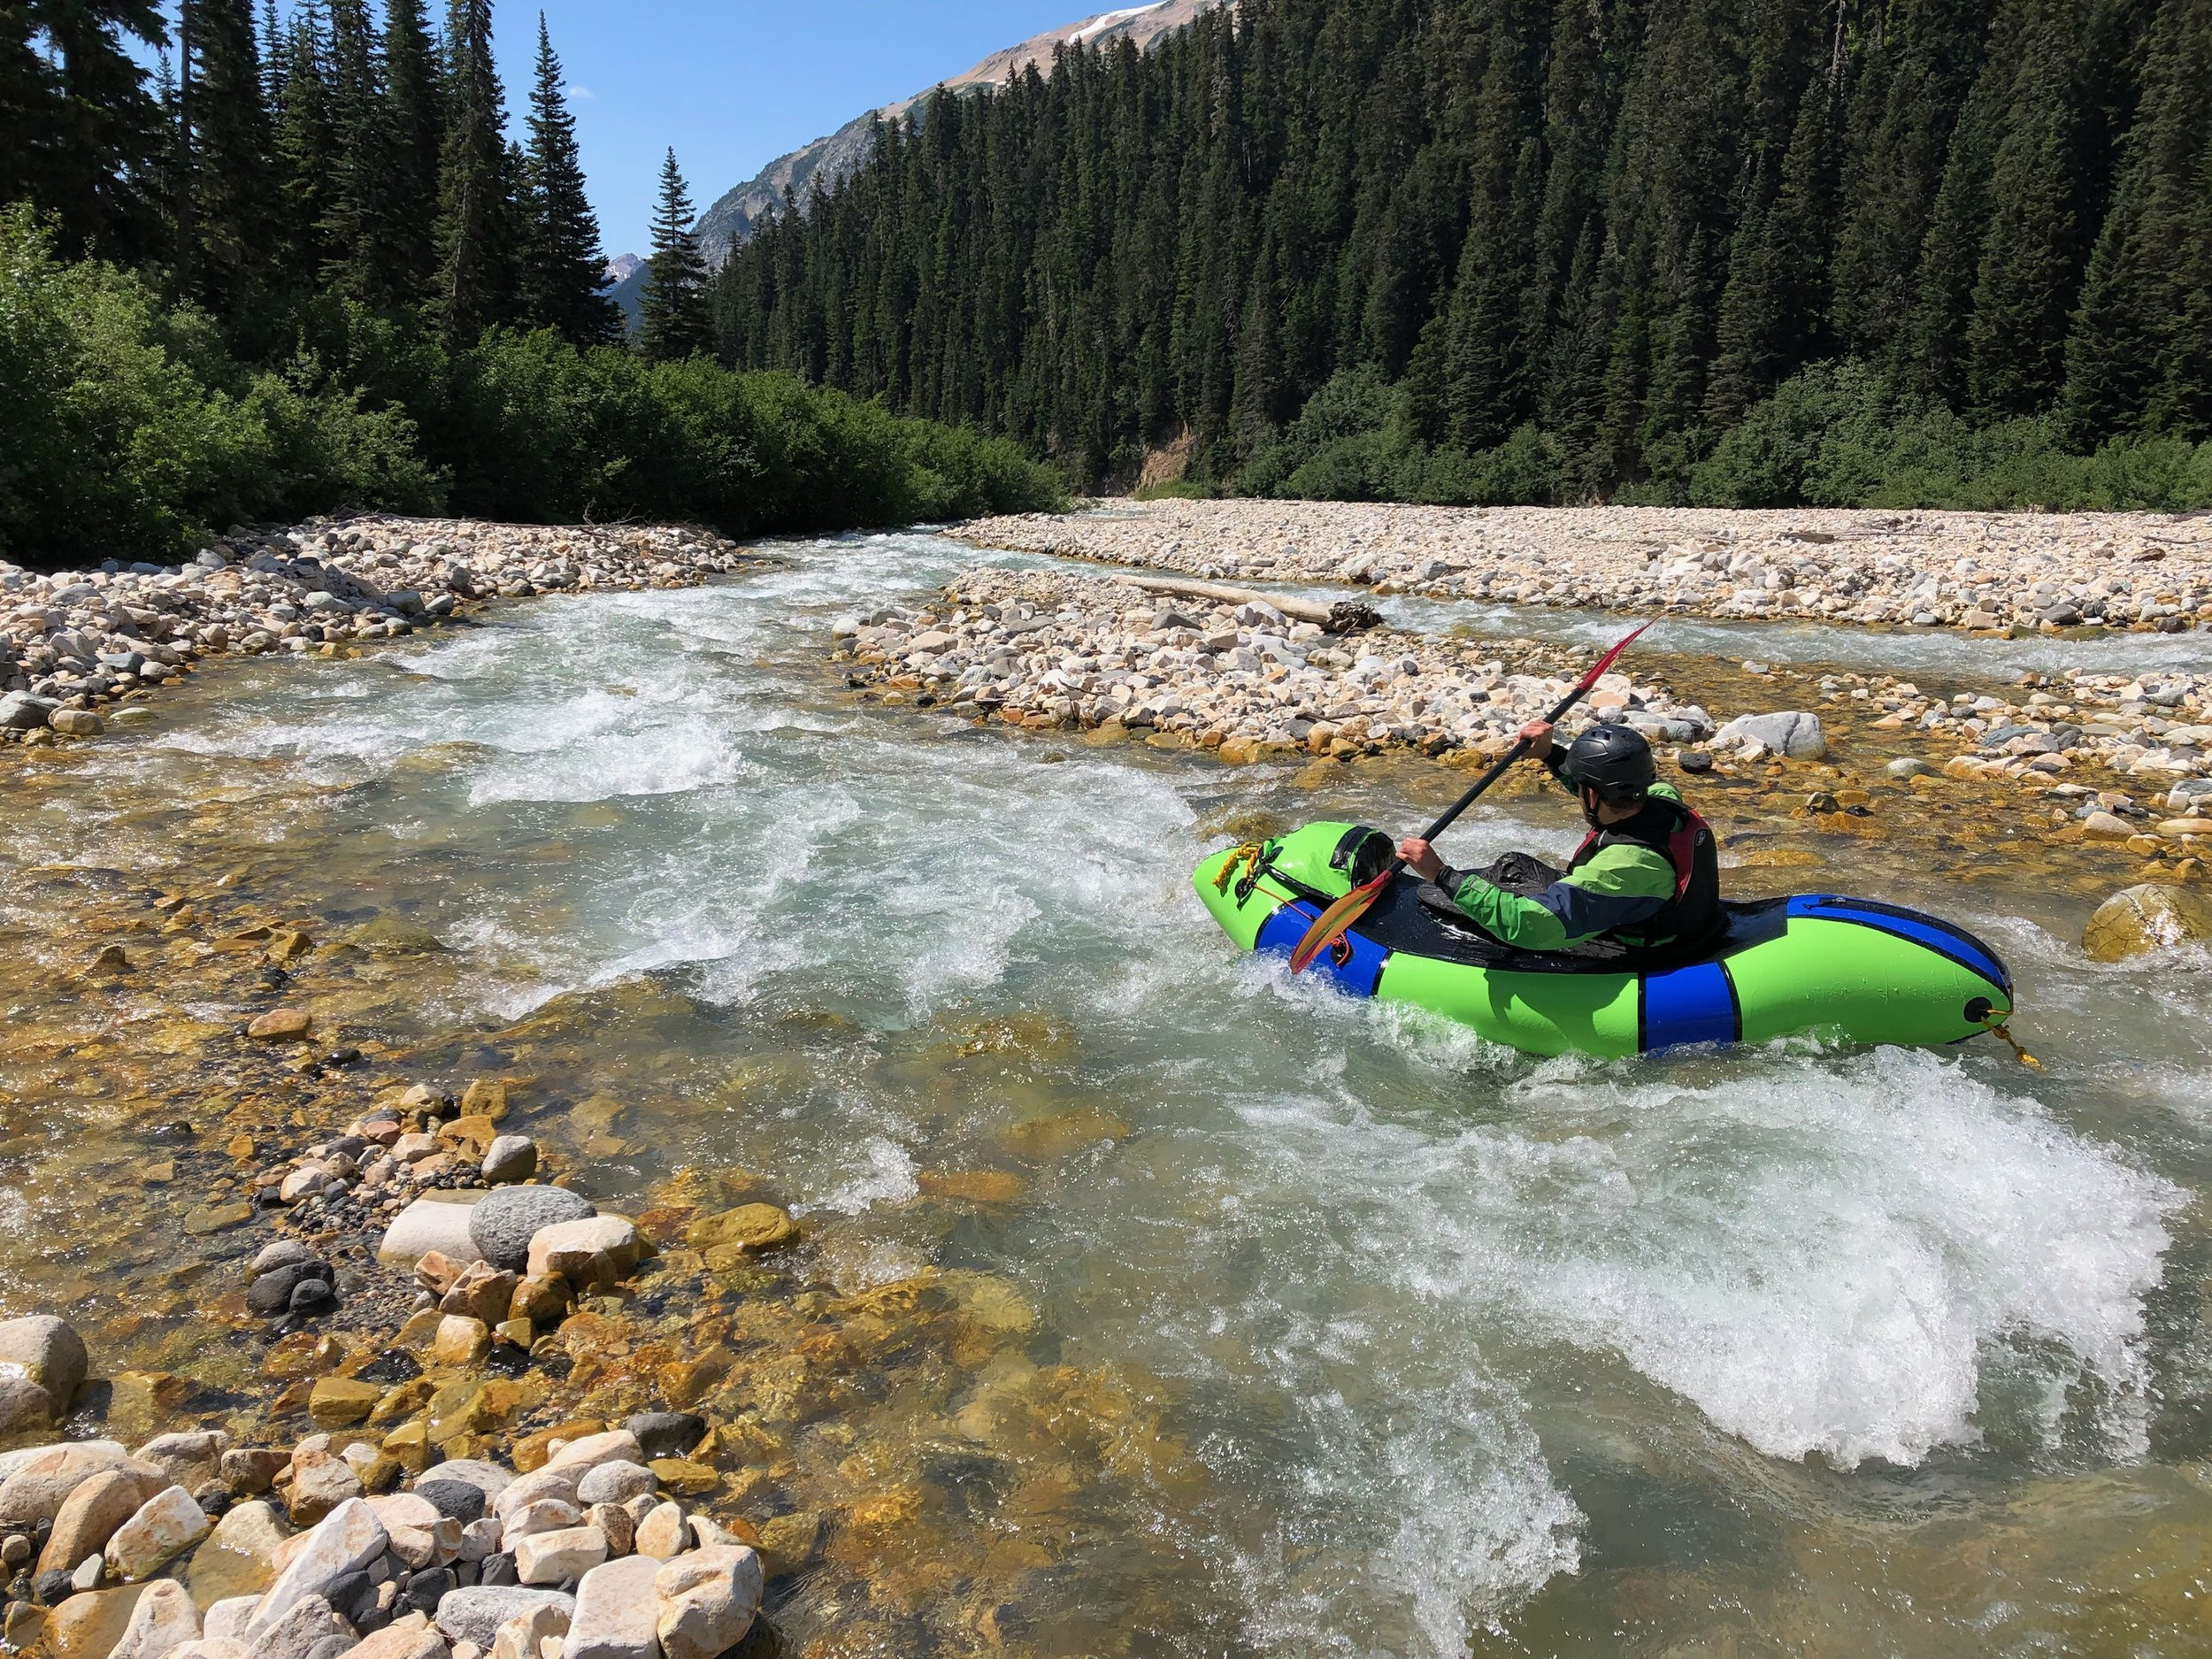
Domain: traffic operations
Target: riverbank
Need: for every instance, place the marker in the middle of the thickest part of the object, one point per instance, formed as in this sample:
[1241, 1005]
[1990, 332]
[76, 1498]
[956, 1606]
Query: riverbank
[1976, 572]
[78, 646]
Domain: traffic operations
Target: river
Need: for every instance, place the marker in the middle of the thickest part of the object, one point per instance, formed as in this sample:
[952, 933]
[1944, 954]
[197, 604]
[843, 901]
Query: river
[1788, 1351]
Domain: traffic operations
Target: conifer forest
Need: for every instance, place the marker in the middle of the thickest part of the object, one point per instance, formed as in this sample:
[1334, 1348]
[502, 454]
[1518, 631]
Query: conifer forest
[1740, 251]
[255, 265]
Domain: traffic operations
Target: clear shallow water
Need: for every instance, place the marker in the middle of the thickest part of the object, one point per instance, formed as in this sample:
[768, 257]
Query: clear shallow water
[1474, 1349]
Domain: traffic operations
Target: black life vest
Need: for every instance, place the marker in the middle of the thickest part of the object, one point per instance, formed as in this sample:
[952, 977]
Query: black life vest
[1692, 917]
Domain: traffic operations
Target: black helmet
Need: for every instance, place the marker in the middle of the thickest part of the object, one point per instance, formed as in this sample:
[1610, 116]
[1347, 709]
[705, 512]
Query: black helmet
[1614, 760]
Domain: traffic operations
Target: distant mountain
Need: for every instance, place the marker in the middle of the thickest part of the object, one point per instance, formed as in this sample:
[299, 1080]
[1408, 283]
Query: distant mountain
[731, 220]
[622, 267]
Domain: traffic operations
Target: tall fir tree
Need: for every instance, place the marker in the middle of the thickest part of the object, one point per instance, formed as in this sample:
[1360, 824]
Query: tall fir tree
[305, 146]
[564, 268]
[229, 194]
[475, 237]
[91, 139]
[673, 316]
[414, 124]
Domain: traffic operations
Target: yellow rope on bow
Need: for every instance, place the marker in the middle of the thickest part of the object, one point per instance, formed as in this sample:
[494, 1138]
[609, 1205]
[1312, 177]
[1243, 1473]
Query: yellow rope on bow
[1996, 1028]
[1247, 855]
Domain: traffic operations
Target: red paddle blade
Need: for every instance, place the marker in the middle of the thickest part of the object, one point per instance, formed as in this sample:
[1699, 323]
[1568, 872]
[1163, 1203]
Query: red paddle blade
[1330, 926]
[1607, 661]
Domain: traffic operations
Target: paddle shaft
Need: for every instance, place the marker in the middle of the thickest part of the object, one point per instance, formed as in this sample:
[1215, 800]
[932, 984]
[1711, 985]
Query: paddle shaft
[1505, 764]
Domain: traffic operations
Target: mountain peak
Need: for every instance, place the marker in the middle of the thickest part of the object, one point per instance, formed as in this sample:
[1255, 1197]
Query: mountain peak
[827, 160]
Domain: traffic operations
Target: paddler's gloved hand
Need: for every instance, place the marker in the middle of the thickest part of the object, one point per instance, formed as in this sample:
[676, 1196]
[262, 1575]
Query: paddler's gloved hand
[1426, 866]
[1536, 735]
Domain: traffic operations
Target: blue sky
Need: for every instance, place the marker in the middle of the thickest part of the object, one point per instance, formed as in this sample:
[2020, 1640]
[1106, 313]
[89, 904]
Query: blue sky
[733, 86]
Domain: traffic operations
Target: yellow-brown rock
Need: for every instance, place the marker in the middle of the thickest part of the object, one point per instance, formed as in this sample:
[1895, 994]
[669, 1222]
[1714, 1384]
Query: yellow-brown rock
[2139, 919]
[460, 1341]
[541, 1298]
[748, 1230]
[973, 1186]
[472, 1134]
[88, 1626]
[530, 1451]
[281, 1025]
[340, 1403]
[684, 1477]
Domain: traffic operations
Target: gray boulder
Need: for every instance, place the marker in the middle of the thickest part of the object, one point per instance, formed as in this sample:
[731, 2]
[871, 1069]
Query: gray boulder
[20, 711]
[502, 1224]
[1791, 733]
[475, 1612]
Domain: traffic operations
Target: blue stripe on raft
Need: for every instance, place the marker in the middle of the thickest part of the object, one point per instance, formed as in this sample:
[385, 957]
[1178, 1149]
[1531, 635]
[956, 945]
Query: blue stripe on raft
[1359, 974]
[1940, 937]
[1691, 1004]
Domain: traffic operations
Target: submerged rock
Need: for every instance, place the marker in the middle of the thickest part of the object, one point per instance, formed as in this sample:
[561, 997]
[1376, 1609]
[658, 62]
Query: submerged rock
[2139, 919]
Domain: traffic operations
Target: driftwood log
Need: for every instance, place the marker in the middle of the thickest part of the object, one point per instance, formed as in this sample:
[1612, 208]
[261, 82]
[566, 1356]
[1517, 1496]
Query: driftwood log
[1345, 615]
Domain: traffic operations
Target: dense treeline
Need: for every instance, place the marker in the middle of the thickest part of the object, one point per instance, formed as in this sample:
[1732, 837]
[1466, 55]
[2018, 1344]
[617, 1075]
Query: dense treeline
[305, 265]
[1739, 251]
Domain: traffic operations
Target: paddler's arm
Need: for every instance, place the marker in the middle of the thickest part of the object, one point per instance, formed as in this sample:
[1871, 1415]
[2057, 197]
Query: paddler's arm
[1619, 887]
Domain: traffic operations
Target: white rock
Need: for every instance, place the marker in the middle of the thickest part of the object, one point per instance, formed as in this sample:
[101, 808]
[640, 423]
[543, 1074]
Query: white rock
[616, 1445]
[37, 1489]
[597, 1250]
[547, 1515]
[228, 1619]
[46, 1351]
[166, 1525]
[440, 1223]
[615, 1483]
[617, 1614]
[190, 1460]
[662, 1533]
[1791, 733]
[343, 1541]
[412, 1641]
[475, 1613]
[420, 1536]
[706, 1601]
[481, 1537]
[552, 1558]
[539, 1484]
[163, 1620]
[524, 1636]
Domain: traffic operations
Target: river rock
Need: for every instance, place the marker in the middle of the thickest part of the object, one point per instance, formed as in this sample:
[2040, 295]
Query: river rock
[305, 1626]
[1908, 766]
[212, 1648]
[164, 1619]
[555, 1556]
[524, 1636]
[508, 1217]
[166, 1525]
[545, 1514]
[579, 1456]
[345, 1541]
[706, 1601]
[226, 1620]
[320, 1486]
[23, 1457]
[421, 1535]
[19, 711]
[47, 1351]
[534, 1487]
[2107, 826]
[239, 1557]
[511, 1158]
[1790, 732]
[460, 1341]
[91, 1514]
[749, 1229]
[88, 1626]
[76, 722]
[474, 1613]
[615, 1482]
[2150, 917]
[460, 1500]
[36, 1491]
[617, 1613]
[482, 1292]
[401, 1641]
[594, 1253]
[190, 1459]
[439, 1223]
[662, 1533]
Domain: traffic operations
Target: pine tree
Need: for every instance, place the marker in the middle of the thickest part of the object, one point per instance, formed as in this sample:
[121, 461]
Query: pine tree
[564, 268]
[92, 141]
[414, 125]
[2140, 353]
[229, 193]
[305, 146]
[673, 308]
[475, 241]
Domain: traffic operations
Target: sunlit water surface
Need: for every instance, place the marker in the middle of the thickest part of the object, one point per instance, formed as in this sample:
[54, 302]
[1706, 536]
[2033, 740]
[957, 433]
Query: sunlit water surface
[1476, 1350]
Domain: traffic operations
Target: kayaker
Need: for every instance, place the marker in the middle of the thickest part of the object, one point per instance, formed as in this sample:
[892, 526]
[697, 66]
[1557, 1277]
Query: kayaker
[1645, 881]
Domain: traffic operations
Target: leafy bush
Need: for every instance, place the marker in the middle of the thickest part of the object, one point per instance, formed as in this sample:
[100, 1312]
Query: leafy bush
[127, 428]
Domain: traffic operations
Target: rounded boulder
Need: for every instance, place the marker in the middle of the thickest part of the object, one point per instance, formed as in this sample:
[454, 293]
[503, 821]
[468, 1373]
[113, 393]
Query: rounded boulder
[502, 1224]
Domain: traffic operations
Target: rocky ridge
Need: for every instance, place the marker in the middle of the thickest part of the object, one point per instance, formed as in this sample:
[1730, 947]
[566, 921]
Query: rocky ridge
[1971, 571]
